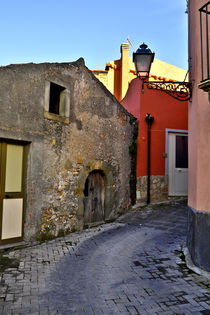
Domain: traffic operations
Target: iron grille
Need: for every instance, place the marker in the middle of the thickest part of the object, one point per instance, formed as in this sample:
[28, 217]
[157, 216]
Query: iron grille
[204, 35]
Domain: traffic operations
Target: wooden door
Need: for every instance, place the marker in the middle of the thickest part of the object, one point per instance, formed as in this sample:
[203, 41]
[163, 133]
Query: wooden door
[94, 198]
[12, 157]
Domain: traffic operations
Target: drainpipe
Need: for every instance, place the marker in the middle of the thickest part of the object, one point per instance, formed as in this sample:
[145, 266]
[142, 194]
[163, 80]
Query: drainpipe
[149, 119]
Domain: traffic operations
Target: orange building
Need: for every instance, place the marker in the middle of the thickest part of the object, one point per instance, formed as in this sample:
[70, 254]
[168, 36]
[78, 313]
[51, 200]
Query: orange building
[169, 169]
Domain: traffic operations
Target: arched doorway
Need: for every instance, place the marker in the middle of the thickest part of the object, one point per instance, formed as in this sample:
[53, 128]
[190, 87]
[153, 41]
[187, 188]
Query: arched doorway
[94, 191]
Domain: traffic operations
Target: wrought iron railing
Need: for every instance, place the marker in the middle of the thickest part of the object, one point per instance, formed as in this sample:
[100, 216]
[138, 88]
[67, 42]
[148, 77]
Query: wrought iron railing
[204, 36]
[179, 90]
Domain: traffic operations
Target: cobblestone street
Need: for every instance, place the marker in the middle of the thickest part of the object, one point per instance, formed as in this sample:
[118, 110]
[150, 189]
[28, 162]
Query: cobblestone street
[132, 266]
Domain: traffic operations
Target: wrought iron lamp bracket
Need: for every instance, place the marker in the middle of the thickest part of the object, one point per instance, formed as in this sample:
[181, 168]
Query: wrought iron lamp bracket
[179, 90]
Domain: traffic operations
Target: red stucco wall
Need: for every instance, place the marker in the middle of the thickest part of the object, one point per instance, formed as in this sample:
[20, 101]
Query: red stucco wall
[167, 112]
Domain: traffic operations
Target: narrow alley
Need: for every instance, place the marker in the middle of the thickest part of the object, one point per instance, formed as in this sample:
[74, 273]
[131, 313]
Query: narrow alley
[132, 266]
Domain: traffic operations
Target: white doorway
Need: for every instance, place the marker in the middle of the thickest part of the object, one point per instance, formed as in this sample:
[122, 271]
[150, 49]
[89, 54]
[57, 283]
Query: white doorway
[177, 164]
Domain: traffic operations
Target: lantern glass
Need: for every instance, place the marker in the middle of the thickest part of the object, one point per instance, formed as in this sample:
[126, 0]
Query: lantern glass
[143, 59]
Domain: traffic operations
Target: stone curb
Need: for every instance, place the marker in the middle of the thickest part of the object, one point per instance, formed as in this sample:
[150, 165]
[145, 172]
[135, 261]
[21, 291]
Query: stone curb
[172, 202]
[191, 265]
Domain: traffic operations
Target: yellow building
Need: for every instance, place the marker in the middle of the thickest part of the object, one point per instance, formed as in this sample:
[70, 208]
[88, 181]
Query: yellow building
[119, 73]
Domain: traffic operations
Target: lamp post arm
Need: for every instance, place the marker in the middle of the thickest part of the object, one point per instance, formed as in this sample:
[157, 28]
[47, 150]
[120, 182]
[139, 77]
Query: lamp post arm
[181, 91]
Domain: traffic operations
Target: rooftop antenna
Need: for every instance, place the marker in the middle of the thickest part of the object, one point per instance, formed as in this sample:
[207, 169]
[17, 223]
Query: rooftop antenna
[186, 75]
[130, 43]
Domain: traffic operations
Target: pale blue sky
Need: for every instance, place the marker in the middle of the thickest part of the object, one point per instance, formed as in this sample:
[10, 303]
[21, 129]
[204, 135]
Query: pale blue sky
[64, 30]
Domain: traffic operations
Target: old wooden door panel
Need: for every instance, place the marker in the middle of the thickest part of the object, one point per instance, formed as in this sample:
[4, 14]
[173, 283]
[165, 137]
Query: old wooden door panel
[94, 198]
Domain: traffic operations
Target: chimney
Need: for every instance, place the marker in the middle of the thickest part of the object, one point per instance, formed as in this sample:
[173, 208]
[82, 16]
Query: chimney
[124, 68]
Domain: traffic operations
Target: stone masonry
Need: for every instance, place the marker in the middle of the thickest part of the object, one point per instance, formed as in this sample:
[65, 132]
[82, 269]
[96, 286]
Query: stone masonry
[91, 132]
[158, 188]
[132, 266]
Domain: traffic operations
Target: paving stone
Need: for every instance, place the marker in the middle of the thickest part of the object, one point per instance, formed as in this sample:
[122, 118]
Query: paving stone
[131, 266]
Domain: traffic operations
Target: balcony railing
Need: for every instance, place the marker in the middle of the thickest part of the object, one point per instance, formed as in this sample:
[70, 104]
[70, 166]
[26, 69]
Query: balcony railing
[204, 35]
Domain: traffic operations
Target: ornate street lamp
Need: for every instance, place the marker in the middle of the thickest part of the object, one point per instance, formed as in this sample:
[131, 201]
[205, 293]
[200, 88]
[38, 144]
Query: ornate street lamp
[143, 59]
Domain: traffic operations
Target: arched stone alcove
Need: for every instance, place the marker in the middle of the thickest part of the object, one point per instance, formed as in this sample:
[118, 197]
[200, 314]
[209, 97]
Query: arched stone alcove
[101, 172]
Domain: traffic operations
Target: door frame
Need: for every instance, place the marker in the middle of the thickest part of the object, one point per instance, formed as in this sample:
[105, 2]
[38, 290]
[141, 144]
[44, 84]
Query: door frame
[167, 131]
[22, 194]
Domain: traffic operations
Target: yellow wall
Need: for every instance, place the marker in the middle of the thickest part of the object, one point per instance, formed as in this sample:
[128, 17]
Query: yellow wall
[119, 73]
[165, 70]
[102, 76]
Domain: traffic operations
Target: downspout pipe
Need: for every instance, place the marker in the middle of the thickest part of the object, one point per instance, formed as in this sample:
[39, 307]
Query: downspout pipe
[149, 119]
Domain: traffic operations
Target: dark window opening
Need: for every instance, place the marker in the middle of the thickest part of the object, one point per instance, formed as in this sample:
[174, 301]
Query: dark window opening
[55, 98]
[88, 187]
[181, 152]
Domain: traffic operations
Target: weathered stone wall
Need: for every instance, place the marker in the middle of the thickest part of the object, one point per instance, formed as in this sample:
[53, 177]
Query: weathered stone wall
[62, 154]
[158, 188]
[21, 104]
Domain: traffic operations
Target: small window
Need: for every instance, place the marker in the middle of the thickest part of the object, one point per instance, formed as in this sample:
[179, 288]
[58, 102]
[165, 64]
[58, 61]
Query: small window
[55, 98]
[57, 102]
[181, 152]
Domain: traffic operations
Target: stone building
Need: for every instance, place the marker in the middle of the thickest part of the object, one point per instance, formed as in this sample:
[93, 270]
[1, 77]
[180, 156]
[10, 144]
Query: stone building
[168, 143]
[64, 151]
